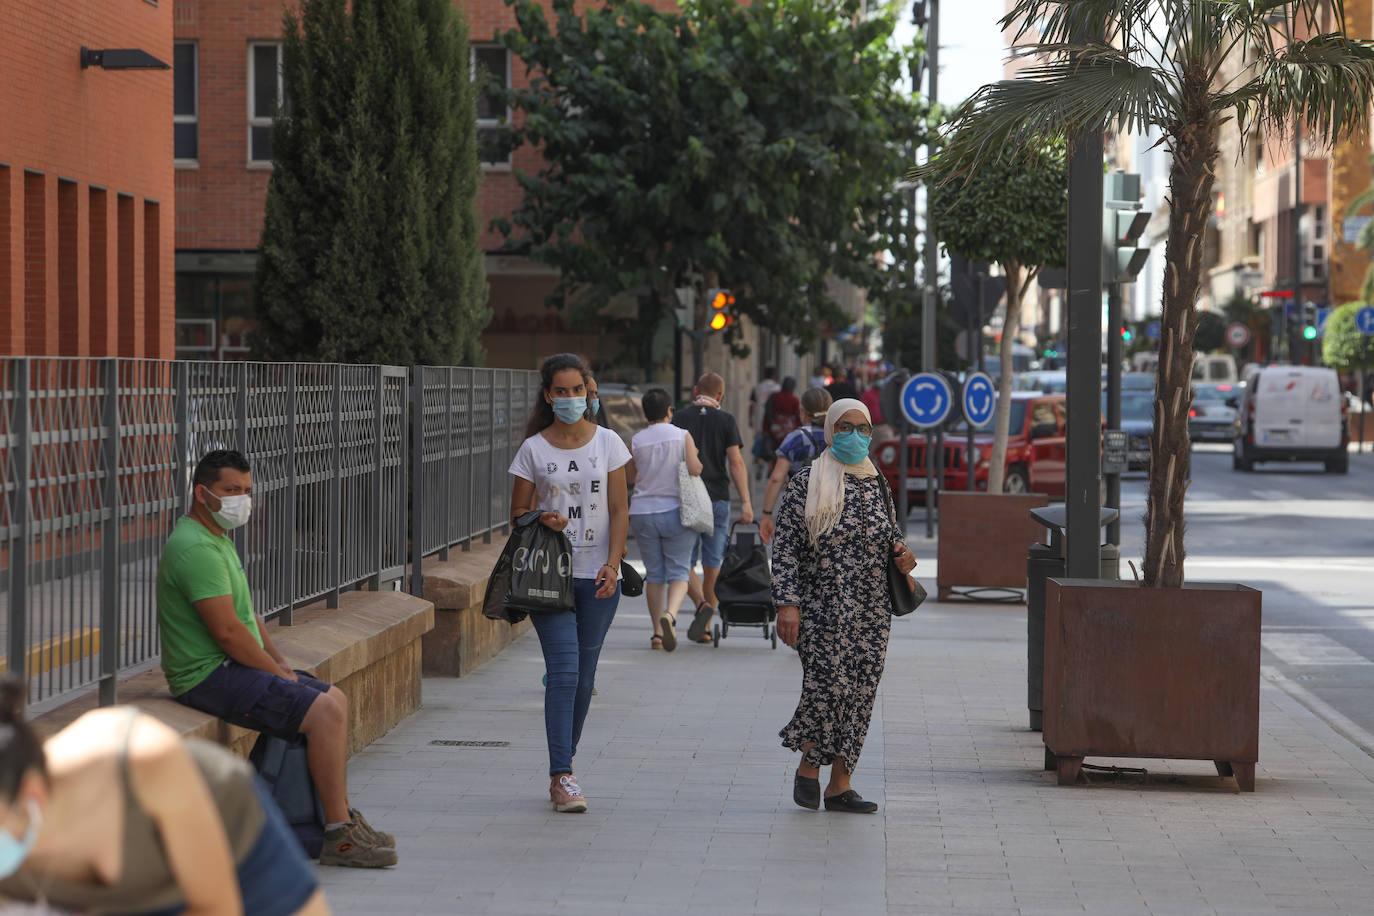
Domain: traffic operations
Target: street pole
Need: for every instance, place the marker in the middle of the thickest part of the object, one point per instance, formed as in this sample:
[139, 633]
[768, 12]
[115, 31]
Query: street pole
[975, 315]
[1114, 320]
[932, 266]
[1364, 373]
[1084, 296]
[1297, 243]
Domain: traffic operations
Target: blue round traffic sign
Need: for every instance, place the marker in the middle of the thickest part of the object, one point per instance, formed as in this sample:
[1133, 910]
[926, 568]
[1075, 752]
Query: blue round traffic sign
[926, 399]
[980, 399]
[1152, 330]
[1364, 318]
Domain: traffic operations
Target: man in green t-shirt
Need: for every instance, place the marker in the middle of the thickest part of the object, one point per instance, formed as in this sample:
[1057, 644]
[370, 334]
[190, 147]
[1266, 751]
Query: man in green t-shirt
[218, 657]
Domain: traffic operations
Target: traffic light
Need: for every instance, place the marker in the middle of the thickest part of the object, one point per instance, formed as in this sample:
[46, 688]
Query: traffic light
[1309, 332]
[1123, 223]
[718, 300]
[1127, 335]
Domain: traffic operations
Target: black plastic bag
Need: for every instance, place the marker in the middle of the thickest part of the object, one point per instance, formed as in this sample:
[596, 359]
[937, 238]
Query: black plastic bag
[533, 575]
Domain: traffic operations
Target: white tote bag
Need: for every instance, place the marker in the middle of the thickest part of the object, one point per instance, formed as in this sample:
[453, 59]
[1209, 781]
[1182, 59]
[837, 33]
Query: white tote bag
[695, 503]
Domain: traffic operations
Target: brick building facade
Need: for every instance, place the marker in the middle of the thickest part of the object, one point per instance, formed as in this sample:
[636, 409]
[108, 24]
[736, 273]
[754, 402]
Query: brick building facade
[86, 191]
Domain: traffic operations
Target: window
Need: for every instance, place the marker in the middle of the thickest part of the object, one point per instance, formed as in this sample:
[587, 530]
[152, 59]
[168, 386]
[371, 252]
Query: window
[265, 96]
[185, 103]
[493, 137]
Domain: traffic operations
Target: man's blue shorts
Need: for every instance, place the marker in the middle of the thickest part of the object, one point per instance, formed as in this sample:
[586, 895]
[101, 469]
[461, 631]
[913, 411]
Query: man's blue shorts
[710, 548]
[255, 699]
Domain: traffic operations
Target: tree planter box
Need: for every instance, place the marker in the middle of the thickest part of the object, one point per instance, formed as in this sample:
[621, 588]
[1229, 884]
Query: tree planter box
[1135, 672]
[984, 538]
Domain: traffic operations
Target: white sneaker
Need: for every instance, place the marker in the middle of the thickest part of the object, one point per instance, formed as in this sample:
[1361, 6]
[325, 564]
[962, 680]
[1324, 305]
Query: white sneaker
[567, 797]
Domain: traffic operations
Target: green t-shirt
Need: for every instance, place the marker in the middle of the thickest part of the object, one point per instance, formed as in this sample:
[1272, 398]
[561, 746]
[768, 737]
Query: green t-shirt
[196, 565]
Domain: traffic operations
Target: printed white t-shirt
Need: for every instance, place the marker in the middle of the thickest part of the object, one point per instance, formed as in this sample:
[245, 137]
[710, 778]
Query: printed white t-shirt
[573, 481]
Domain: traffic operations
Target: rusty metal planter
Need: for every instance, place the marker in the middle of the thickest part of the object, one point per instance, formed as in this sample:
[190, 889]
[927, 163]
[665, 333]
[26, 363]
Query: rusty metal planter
[1136, 672]
[984, 538]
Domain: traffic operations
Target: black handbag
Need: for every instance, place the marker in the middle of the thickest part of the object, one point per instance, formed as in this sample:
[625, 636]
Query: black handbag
[905, 593]
[631, 582]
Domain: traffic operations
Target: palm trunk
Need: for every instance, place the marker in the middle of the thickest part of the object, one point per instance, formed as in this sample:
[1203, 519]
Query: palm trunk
[1002, 423]
[1190, 192]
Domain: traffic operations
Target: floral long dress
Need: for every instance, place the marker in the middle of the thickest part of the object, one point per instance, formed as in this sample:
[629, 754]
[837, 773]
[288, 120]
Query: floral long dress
[840, 588]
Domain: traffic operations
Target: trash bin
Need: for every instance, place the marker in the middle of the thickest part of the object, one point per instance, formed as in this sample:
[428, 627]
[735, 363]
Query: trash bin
[1047, 561]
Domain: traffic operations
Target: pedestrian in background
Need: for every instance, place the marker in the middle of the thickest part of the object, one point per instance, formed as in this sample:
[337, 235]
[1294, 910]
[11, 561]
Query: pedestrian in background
[836, 529]
[573, 471]
[716, 435]
[665, 544]
[117, 813]
[758, 404]
[783, 413]
[798, 450]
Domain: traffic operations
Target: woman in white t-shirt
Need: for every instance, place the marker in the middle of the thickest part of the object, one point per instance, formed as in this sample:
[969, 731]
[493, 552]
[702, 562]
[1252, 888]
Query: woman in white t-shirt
[655, 519]
[573, 471]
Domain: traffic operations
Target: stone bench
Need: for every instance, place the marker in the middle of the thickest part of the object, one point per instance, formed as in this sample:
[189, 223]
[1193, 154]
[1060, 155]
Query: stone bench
[369, 646]
[462, 639]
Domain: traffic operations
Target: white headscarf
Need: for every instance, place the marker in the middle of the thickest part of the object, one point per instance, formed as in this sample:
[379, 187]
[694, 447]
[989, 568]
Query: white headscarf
[825, 489]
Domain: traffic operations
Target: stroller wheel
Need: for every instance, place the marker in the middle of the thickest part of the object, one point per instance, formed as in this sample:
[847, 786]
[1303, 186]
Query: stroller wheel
[775, 637]
[724, 628]
[715, 636]
[765, 629]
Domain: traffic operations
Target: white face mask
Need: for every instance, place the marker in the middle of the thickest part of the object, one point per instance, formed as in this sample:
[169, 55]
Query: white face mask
[233, 511]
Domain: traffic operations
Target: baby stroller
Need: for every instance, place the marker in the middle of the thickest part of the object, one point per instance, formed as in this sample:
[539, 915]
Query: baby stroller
[744, 590]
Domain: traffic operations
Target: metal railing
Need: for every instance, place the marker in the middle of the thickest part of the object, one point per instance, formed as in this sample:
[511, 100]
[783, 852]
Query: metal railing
[96, 457]
[460, 490]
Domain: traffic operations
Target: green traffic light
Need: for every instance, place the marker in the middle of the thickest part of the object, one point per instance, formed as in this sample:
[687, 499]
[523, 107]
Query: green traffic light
[1309, 333]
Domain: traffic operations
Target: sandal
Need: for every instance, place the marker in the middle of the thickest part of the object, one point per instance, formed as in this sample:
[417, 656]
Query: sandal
[656, 642]
[667, 625]
[697, 631]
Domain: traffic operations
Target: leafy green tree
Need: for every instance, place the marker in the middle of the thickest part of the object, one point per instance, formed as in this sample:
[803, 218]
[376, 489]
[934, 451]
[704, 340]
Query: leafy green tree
[1342, 343]
[370, 247]
[1013, 212]
[756, 147]
[1210, 334]
[1129, 65]
[1365, 240]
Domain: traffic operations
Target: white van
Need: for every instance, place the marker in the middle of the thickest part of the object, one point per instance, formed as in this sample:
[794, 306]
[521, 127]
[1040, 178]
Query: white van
[1207, 367]
[1291, 413]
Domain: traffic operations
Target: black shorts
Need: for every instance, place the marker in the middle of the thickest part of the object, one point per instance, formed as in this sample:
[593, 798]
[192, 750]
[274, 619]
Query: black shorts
[255, 699]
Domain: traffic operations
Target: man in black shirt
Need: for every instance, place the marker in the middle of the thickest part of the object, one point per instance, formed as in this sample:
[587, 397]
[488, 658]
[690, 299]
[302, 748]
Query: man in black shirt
[718, 444]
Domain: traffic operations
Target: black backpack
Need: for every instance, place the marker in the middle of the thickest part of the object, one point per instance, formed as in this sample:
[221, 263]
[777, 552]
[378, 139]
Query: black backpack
[285, 769]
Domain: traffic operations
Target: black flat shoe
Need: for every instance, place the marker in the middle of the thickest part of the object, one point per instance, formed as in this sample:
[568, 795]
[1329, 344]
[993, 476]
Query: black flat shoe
[850, 802]
[806, 792]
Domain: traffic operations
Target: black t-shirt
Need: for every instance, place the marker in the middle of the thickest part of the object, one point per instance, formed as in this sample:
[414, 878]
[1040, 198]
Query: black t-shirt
[714, 431]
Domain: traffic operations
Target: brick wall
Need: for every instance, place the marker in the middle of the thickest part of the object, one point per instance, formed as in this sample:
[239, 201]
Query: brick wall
[66, 132]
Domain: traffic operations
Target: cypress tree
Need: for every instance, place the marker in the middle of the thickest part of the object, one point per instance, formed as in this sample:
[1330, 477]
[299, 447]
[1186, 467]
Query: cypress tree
[370, 246]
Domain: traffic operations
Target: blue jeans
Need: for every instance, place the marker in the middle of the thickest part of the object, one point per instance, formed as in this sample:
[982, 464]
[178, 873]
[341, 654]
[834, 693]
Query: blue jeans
[664, 545]
[710, 548]
[571, 641]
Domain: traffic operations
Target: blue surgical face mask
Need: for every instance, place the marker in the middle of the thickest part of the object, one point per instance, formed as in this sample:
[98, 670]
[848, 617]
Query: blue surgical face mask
[594, 405]
[13, 851]
[850, 447]
[569, 410]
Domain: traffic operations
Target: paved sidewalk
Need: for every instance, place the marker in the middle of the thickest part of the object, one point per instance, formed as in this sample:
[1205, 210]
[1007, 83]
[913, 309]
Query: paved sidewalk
[691, 808]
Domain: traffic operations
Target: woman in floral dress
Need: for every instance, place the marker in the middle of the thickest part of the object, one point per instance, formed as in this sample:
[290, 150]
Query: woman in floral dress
[834, 530]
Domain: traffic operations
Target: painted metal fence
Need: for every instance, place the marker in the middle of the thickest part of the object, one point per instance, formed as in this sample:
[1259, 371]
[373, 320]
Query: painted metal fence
[466, 425]
[96, 457]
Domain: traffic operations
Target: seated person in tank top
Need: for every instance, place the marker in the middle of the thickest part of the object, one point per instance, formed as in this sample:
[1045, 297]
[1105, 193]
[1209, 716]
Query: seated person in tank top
[116, 813]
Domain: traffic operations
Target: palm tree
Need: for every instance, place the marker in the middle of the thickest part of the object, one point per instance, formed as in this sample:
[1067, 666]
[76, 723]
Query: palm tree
[1132, 64]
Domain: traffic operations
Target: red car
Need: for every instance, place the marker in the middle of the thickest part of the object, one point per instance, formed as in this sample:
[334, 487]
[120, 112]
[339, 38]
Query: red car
[1036, 456]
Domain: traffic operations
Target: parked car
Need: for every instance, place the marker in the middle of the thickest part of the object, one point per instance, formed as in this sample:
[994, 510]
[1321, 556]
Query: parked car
[1036, 457]
[1137, 419]
[1211, 417]
[1207, 367]
[1292, 413]
[1045, 381]
[1137, 381]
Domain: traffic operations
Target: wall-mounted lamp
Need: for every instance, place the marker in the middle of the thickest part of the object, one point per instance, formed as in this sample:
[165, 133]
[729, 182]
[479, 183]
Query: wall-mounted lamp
[120, 59]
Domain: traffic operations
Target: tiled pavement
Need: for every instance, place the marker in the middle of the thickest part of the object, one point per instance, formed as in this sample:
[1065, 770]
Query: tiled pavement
[691, 808]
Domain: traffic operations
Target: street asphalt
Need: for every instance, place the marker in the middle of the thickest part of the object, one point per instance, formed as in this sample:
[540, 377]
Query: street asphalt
[690, 793]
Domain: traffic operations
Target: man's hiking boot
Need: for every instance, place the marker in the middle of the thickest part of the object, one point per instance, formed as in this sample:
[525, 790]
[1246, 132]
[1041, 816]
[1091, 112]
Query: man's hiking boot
[348, 847]
[378, 837]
